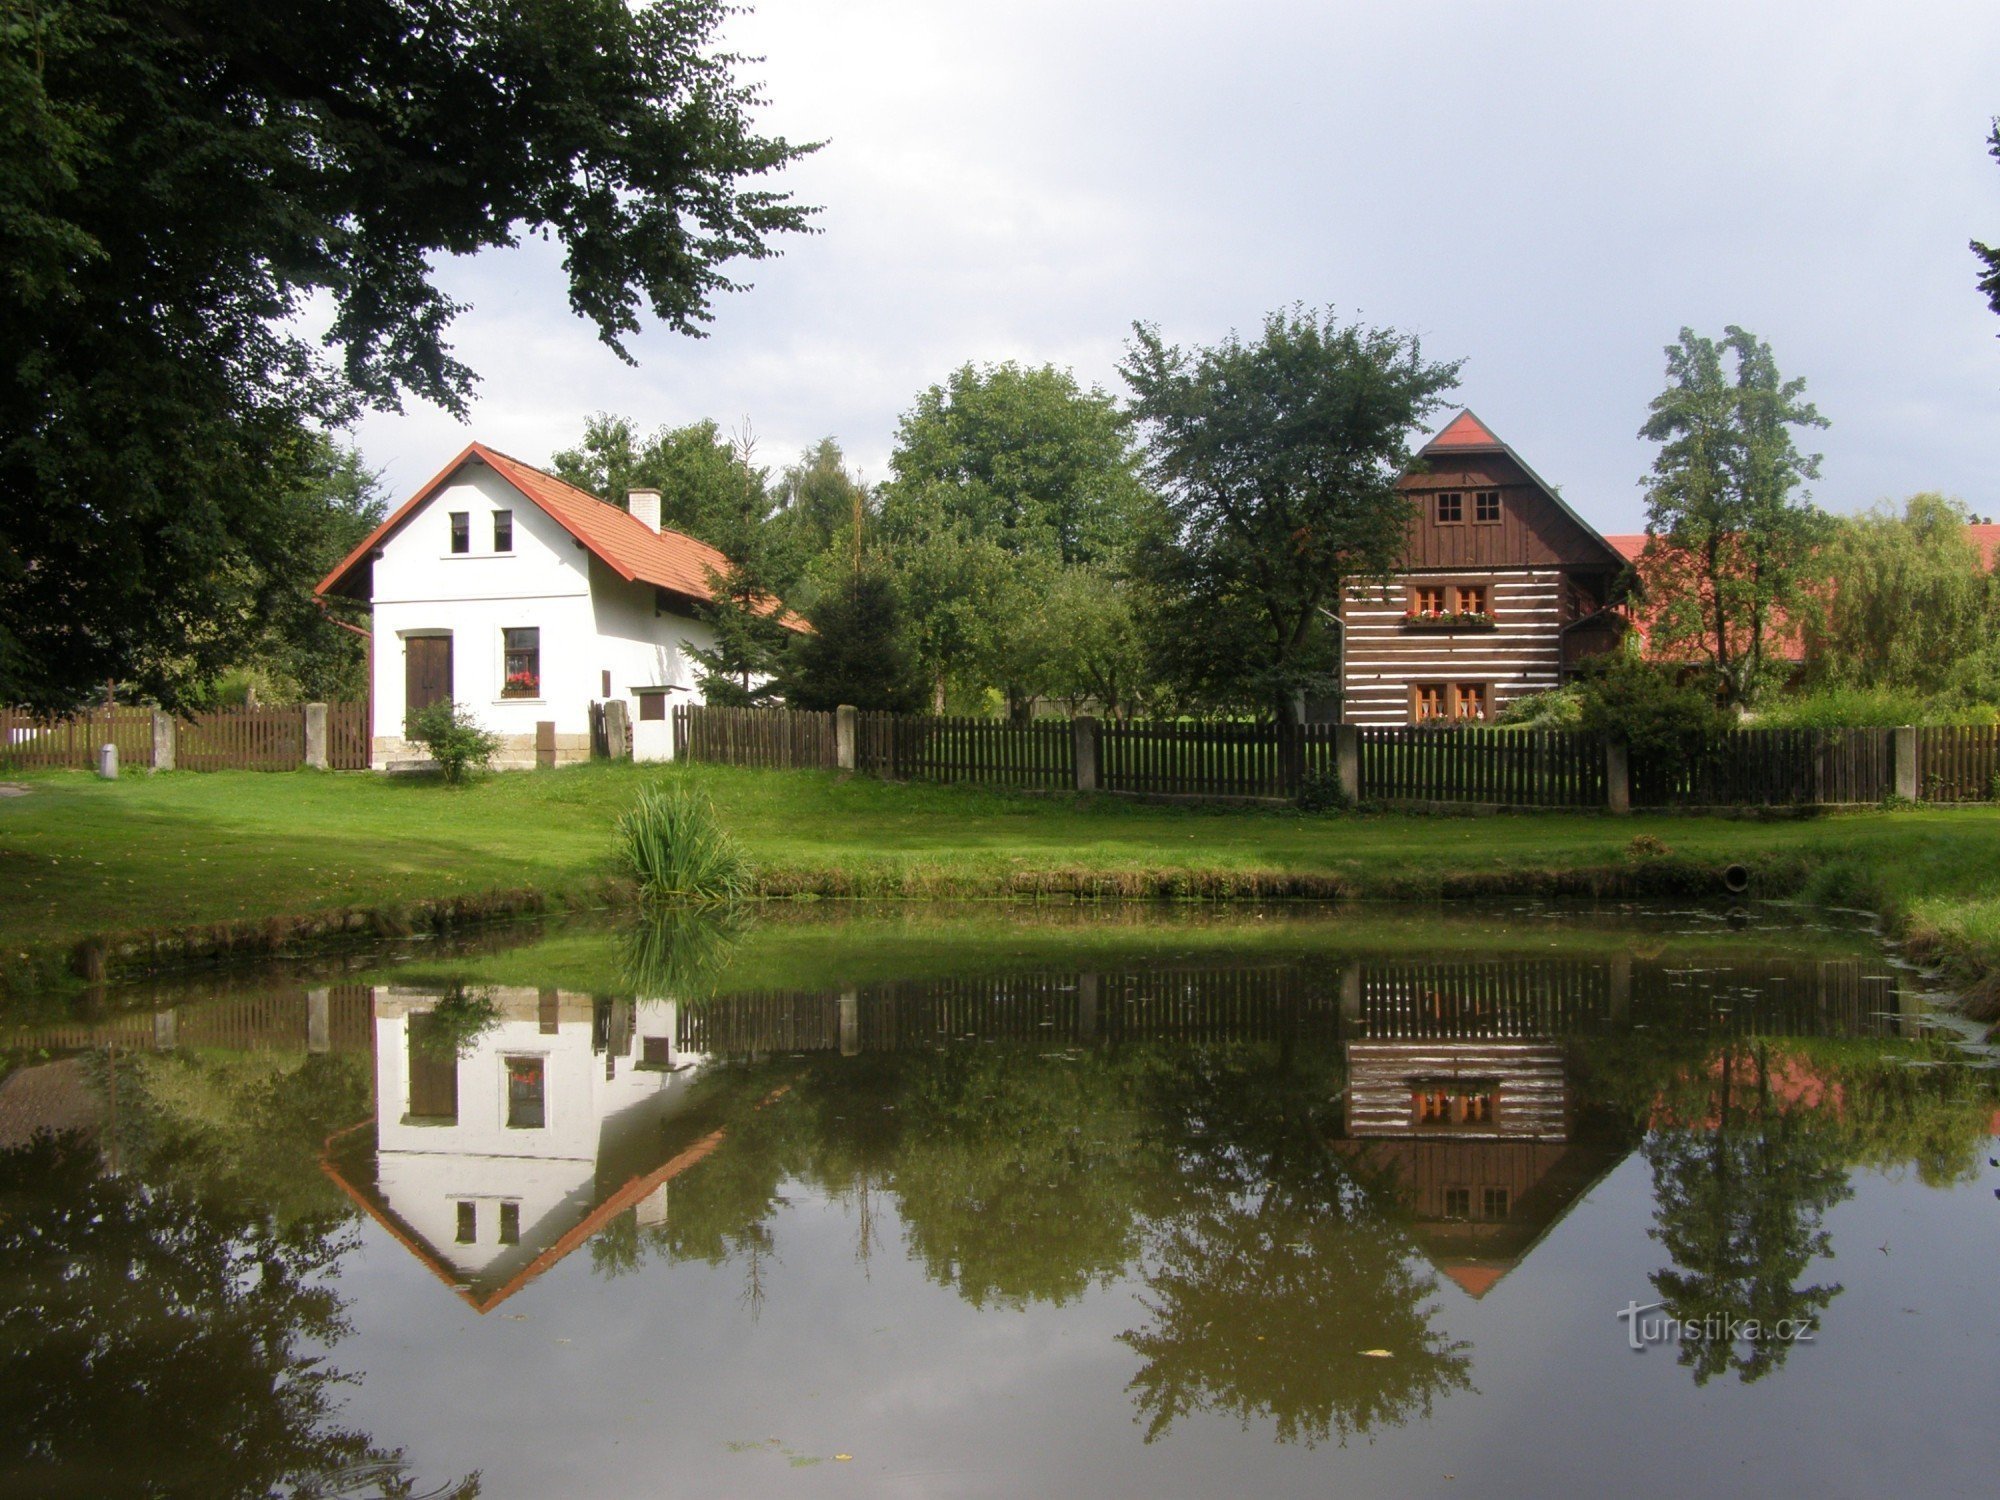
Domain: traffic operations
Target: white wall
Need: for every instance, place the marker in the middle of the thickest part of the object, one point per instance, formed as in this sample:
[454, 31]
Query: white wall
[591, 621]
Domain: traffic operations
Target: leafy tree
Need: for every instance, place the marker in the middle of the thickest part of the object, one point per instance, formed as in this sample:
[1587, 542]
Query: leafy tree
[820, 502]
[1277, 463]
[858, 652]
[957, 587]
[1027, 459]
[1988, 255]
[1904, 601]
[1730, 529]
[709, 487]
[1086, 646]
[183, 179]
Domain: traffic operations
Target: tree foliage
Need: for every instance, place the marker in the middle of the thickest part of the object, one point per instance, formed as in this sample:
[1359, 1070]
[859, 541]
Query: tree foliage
[858, 652]
[182, 180]
[1730, 528]
[1988, 255]
[1029, 459]
[1277, 463]
[1904, 602]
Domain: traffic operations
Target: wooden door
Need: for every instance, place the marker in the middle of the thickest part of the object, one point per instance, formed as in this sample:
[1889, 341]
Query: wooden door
[426, 671]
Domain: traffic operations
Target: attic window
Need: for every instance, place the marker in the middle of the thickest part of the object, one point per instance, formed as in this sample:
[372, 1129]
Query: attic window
[1451, 507]
[1486, 505]
[461, 531]
[503, 531]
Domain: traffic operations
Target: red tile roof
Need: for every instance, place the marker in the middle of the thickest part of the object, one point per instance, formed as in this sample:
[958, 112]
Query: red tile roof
[628, 546]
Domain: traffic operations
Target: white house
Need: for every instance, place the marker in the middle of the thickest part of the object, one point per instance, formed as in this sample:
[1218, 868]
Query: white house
[502, 587]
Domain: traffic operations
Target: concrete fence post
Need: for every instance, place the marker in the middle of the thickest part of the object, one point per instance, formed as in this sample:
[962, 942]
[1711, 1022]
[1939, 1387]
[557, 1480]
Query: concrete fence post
[319, 1020]
[1083, 732]
[1903, 763]
[545, 743]
[846, 735]
[1347, 760]
[316, 736]
[164, 741]
[849, 1014]
[1617, 777]
[107, 760]
[617, 730]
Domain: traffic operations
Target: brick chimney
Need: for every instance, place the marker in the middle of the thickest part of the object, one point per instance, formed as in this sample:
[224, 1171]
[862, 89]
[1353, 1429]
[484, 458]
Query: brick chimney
[645, 504]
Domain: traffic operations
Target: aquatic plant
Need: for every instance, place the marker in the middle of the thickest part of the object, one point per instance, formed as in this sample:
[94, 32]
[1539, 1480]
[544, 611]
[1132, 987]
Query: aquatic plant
[678, 950]
[677, 850]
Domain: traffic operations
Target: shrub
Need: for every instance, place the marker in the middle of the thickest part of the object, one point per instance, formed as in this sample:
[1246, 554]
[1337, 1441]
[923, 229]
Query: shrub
[456, 739]
[1321, 791]
[1560, 708]
[1651, 709]
[677, 849]
[1870, 707]
[1647, 846]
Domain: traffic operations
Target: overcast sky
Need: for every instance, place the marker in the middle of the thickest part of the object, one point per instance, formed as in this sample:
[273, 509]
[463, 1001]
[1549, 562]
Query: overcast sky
[1546, 191]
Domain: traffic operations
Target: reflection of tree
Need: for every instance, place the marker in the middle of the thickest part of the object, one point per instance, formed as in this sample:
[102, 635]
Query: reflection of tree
[1739, 1198]
[1270, 1273]
[678, 951]
[153, 1342]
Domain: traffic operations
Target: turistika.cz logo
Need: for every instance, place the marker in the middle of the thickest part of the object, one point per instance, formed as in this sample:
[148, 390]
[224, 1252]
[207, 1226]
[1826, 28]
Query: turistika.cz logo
[1715, 1328]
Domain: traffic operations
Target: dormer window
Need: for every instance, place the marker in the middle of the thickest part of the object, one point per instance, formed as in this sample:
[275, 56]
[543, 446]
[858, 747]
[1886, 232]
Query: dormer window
[461, 532]
[1451, 507]
[1486, 506]
[503, 531]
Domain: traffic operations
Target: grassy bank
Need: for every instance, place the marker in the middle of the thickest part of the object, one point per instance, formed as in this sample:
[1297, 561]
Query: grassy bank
[236, 855]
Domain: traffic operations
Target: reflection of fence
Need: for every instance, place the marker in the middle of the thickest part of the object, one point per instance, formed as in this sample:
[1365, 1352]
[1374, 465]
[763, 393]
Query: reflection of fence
[1958, 764]
[223, 739]
[286, 1020]
[1430, 764]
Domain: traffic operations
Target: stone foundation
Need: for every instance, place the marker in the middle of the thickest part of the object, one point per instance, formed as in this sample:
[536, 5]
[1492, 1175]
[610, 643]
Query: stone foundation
[516, 753]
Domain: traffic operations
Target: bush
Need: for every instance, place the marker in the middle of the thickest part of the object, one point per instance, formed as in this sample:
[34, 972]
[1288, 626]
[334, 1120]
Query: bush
[1321, 791]
[1865, 707]
[677, 849]
[1651, 709]
[1560, 708]
[456, 740]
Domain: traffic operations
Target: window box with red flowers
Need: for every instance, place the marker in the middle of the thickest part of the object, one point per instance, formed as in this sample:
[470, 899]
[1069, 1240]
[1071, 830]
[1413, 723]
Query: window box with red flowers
[1448, 620]
[521, 685]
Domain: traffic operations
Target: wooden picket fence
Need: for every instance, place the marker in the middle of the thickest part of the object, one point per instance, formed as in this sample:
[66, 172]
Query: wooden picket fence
[31, 744]
[224, 739]
[909, 747]
[1772, 768]
[1486, 767]
[1959, 764]
[1217, 759]
[780, 739]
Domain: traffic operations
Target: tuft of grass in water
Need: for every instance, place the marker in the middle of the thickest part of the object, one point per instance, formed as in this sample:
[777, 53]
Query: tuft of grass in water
[677, 850]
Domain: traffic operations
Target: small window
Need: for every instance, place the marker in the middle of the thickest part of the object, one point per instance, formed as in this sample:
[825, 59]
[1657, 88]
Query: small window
[510, 1223]
[1458, 1203]
[1451, 506]
[658, 1050]
[1445, 1106]
[1494, 1203]
[1471, 598]
[1469, 700]
[1486, 506]
[527, 1103]
[524, 663]
[503, 531]
[1429, 701]
[468, 1223]
[607, 684]
[652, 706]
[1427, 601]
[461, 531]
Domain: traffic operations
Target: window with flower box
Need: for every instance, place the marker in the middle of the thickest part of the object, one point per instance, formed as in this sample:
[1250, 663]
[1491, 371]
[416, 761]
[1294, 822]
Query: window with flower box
[527, 1099]
[1442, 702]
[1427, 601]
[522, 667]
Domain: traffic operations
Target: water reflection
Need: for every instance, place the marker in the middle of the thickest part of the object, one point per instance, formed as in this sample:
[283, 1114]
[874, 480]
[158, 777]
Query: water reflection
[1290, 1168]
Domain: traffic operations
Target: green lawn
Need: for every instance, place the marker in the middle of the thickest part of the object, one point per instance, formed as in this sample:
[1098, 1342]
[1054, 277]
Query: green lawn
[82, 858]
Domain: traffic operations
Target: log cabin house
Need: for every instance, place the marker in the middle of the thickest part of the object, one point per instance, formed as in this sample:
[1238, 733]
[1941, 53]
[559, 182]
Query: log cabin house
[1506, 591]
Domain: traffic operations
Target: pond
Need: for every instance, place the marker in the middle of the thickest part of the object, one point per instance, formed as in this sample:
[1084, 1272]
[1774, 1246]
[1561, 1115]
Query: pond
[1012, 1201]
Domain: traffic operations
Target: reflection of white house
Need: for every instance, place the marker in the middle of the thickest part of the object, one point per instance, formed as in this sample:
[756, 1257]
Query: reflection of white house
[503, 588]
[494, 1163]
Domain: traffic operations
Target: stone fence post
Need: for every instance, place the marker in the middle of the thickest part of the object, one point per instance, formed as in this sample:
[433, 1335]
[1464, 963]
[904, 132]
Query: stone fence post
[1903, 763]
[316, 736]
[1347, 760]
[1617, 777]
[617, 730]
[1083, 730]
[164, 741]
[846, 732]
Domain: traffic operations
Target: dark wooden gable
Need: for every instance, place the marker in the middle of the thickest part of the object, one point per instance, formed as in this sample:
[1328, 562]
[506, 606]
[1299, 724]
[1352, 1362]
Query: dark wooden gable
[1533, 530]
